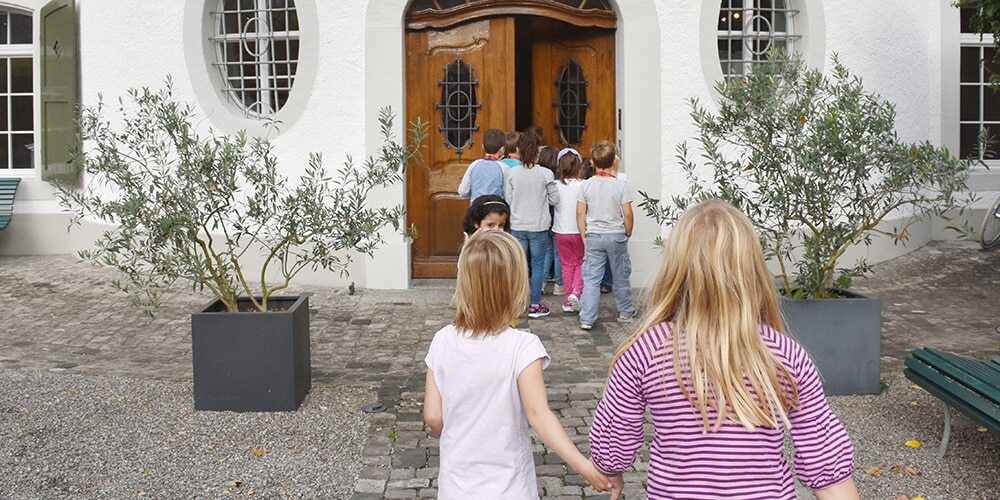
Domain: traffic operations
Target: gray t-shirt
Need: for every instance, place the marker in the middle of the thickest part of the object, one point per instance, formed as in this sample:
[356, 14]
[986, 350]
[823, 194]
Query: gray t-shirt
[604, 197]
[529, 192]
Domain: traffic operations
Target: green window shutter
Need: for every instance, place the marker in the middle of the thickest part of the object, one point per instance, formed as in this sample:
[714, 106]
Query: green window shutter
[58, 93]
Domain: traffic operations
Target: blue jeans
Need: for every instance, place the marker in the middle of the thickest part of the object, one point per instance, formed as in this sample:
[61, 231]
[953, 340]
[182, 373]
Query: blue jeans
[601, 249]
[536, 245]
[553, 267]
[607, 279]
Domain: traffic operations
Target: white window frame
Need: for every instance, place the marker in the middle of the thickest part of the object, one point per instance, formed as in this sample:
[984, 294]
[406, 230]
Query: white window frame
[28, 51]
[266, 82]
[975, 41]
[748, 35]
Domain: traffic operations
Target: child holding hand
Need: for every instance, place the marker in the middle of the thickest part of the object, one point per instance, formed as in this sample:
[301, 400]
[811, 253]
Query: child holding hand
[485, 385]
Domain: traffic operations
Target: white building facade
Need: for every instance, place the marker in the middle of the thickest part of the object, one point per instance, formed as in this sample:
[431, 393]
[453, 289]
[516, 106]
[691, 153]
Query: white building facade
[333, 64]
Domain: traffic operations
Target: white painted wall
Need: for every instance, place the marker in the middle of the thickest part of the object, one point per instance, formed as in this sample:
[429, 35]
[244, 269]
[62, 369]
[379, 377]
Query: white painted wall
[355, 65]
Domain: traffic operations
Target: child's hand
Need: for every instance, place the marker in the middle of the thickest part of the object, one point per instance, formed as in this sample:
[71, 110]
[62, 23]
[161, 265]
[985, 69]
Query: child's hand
[594, 478]
[618, 484]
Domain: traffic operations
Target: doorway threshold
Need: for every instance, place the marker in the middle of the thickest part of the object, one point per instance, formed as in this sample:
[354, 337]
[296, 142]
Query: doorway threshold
[432, 284]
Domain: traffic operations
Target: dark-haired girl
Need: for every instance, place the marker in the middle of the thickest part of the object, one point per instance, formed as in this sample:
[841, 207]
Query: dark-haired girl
[487, 212]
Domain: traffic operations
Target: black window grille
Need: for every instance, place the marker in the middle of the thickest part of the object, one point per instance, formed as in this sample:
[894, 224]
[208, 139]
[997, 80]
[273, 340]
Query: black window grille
[459, 105]
[572, 104]
[439, 5]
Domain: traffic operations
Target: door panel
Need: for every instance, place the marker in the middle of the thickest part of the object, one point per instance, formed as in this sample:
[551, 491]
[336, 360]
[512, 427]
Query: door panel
[433, 205]
[553, 45]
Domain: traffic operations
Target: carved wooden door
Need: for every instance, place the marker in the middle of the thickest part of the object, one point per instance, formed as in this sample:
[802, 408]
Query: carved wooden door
[461, 81]
[573, 79]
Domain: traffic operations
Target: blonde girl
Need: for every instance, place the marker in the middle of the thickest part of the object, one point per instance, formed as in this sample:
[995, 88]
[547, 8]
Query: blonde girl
[720, 380]
[485, 385]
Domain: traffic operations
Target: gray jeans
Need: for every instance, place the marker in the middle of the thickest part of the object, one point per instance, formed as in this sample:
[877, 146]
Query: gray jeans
[601, 248]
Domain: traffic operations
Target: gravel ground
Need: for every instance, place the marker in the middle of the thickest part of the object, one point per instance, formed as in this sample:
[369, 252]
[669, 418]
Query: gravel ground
[71, 436]
[880, 426]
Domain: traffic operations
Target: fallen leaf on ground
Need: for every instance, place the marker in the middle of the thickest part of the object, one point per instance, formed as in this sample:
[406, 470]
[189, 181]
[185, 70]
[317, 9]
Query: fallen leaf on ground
[916, 387]
[896, 469]
[910, 470]
[260, 453]
[250, 492]
[982, 429]
[234, 484]
[918, 498]
[875, 471]
[914, 403]
[913, 443]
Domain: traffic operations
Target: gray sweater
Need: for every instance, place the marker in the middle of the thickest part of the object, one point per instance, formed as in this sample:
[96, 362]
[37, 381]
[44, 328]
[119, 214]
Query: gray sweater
[530, 191]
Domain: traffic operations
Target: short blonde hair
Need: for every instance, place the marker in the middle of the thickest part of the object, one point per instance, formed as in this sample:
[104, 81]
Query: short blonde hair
[603, 154]
[492, 286]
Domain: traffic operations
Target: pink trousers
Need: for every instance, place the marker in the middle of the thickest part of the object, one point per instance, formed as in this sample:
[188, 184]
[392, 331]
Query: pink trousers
[570, 248]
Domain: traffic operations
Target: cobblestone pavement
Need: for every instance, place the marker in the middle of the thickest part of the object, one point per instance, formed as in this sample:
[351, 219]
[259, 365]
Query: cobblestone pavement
[61, 315]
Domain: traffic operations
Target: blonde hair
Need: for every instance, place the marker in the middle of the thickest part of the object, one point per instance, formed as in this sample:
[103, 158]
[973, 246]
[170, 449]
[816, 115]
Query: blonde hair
[492, 286]
[603, 154]
[716, 289]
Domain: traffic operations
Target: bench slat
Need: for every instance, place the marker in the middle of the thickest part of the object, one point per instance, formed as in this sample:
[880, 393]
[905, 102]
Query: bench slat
[970, 373]
[948, 397]
[956, 390]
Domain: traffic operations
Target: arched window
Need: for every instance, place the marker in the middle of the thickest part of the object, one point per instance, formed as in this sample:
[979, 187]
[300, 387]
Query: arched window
[459, 105]
[17, 94]
[257, 52]
[571, 119]
[748, 29]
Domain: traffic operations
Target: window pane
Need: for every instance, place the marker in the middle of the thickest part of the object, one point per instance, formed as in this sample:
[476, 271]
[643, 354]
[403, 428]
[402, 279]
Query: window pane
[20, 28]
[20, 75]
[4, 151]
[968, 141]
[3, 28]
[969, 103]
[991, 105]
[3, 113]
[3, 76]
[21, 113]
[993, 151]
[22, 146]
[967, 19]
[991, 67]
[970, 64]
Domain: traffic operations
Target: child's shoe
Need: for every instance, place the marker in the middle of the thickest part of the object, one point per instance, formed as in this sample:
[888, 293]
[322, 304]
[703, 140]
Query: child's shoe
[568, 307]
[626, 318]
[558, 289]
[605, 288]
[586, 326]
[574, 301]
[538, 310]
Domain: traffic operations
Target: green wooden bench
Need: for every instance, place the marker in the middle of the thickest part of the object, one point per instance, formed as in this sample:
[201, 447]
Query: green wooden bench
[7, 189]
[968, 385]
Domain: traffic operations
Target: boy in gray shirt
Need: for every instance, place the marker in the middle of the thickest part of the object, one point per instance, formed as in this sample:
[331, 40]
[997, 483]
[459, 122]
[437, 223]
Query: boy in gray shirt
[604, 214]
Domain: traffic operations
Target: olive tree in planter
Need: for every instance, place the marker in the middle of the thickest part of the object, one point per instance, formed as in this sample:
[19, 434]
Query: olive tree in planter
[814, 161]
[213, 211]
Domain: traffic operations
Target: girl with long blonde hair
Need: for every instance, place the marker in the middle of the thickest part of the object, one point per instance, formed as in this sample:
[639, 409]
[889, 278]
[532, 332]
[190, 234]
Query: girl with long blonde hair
[485, 385]
[720, 380]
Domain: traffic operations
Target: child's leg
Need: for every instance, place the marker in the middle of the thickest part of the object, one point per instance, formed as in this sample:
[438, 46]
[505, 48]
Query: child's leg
[607, 279]
[621, 270]
[557, 271]
[595, 256]
[538, 241]
[571, 256]
[550, 263]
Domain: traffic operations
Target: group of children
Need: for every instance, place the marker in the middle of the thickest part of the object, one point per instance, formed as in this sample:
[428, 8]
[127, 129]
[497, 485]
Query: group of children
[559, 206]
[709, 363]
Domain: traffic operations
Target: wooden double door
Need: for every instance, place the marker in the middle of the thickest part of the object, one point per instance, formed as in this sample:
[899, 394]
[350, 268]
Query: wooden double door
[508, 73]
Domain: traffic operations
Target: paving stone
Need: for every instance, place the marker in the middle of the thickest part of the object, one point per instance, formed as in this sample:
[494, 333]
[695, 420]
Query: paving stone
[369, 485]
[408, 483]
[401, 494]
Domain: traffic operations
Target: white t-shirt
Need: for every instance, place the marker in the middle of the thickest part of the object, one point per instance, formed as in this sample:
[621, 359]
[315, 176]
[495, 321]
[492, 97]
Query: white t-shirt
[485, 443]
[565, 216]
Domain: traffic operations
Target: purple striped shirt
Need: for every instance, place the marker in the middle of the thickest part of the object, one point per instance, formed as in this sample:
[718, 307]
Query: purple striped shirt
[686, 462]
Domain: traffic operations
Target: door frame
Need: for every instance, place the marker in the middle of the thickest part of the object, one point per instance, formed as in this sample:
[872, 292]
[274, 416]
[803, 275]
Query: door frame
[640, 138]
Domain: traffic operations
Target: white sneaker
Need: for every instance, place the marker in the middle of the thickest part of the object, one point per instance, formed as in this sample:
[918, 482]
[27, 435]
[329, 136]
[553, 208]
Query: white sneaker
[586, 326]
[574, 301]
[558, 289]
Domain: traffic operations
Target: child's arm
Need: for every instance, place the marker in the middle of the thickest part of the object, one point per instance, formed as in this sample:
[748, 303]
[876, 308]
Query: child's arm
[433, 414]
[536, 404]
[465, 187]
[844, 490]
[629, 218]
[581, 219]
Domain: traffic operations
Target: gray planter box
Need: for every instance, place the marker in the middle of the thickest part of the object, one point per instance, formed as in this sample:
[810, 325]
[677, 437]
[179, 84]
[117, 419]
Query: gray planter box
[251, 361]
[843, 338]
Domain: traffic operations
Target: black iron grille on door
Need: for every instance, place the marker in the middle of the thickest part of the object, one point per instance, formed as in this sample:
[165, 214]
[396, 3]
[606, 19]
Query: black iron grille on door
[572, 104]
[458, 105]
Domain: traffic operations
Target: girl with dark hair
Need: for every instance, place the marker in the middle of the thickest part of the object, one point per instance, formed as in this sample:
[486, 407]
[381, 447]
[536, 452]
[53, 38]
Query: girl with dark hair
[487, 212]
[529, 191]
[548, 157]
